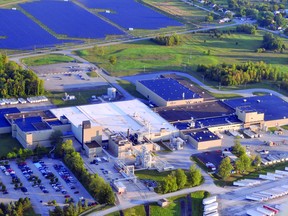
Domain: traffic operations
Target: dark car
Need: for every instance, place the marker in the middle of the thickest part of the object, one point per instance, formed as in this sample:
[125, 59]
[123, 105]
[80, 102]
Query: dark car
[5, 192]
[76, 192]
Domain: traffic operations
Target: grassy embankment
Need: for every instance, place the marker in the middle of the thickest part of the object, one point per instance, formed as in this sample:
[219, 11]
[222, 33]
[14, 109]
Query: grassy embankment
[8, 144]
[174, 208]
[82, 96]
[47, 59]
[146, 56]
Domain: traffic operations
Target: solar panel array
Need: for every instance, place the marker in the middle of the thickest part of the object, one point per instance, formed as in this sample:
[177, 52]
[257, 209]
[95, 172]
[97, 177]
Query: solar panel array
[67, 18]
[169, 89]
[131, 14]
[17, 31]
[272, 106]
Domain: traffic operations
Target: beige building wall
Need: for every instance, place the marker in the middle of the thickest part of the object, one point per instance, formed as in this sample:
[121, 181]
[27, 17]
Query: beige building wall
[119, 150]
[226, 127]
[275, 123]
[205, 144]
[93, 133]
[32, 139]
[91, 152]
[248, 117]
[150, 95]
[160, 101]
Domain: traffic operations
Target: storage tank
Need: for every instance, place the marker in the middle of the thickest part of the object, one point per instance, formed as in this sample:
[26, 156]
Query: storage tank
[111, 92]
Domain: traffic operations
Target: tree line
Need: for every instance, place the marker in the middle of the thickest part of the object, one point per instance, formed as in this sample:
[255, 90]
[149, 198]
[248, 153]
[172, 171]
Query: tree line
[96, 185]
[246, 28]
[179, 179]
[17, 208]
[17, 82]
[239, 74]
[169, 40]
[69, 210]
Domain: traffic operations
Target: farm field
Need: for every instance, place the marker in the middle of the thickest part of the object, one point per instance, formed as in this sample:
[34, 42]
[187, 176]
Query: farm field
[139, 16]
[134, 58]
[188, 14]
[70, 20]
[19, 32]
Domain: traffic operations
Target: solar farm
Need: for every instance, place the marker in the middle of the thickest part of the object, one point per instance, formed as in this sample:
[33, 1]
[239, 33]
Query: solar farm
[131, 14]
[69, 19]
[46, 24]
[25, 34]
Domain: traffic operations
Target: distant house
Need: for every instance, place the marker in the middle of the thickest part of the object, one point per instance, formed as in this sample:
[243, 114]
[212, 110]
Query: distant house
[163, 202]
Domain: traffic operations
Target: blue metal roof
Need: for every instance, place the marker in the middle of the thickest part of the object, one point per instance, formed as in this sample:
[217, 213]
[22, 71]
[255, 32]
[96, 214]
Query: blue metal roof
[55, 123]
[203, 135]
[223, 120]
[169, 89]
[3, 112]
[30, 124]
[272, 106]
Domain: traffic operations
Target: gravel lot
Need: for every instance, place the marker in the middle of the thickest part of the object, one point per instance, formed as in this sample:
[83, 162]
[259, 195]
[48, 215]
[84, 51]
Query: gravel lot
[67, 76]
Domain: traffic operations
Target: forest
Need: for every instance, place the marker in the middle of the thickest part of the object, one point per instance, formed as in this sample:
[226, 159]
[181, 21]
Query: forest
[239, 74]
[17, 82]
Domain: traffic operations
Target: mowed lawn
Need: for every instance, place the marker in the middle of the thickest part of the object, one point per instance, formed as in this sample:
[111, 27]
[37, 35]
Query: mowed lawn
[47, 59]
[146, 56]
[7, 144]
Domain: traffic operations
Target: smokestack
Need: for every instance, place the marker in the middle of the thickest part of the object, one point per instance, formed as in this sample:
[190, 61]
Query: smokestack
[128, 133]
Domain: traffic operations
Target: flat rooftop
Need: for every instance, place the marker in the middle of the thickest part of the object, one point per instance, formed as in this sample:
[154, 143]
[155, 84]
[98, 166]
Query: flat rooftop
[3, 112]
[117, 116]
[196, 111]
[223, 120]
[93, 144]
[169, 89]
[272, 106]
[32, 124]
[203, 135]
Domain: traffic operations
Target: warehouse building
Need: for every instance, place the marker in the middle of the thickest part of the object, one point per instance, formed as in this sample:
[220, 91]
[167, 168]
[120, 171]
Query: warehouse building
[167, 92]
[203, 139]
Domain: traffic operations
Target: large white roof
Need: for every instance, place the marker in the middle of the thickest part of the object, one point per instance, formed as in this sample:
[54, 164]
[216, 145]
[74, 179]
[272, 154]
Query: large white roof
[117, 116]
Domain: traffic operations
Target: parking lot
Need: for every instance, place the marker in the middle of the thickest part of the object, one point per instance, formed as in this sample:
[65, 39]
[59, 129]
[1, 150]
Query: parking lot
[67, 76]
[42, 191]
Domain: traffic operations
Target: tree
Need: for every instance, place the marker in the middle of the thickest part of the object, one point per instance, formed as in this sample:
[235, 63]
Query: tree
[257, 160]
[106, 195]
[209, 18]
[113, 60]
[56, 137]
[181, 178]
[194, 176]
[243, 163]
[271, 42]
[170, 184]
[225, 168]
[238, 149]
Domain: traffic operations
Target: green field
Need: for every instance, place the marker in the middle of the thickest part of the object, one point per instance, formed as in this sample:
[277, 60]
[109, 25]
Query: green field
[131, 88]
[152, 174]
[172, 209]
[82, 96]
[7, 144]
[285, 127]
[47, 59]
[146, 56]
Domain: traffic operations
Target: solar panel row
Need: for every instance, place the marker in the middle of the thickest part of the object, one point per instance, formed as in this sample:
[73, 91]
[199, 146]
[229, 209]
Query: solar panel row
[131, 14]
[19, 32]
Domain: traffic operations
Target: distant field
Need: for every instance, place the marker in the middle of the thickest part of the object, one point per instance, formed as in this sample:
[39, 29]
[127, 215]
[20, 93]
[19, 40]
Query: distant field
[183, 11]
[47, 59]
[146, 56]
